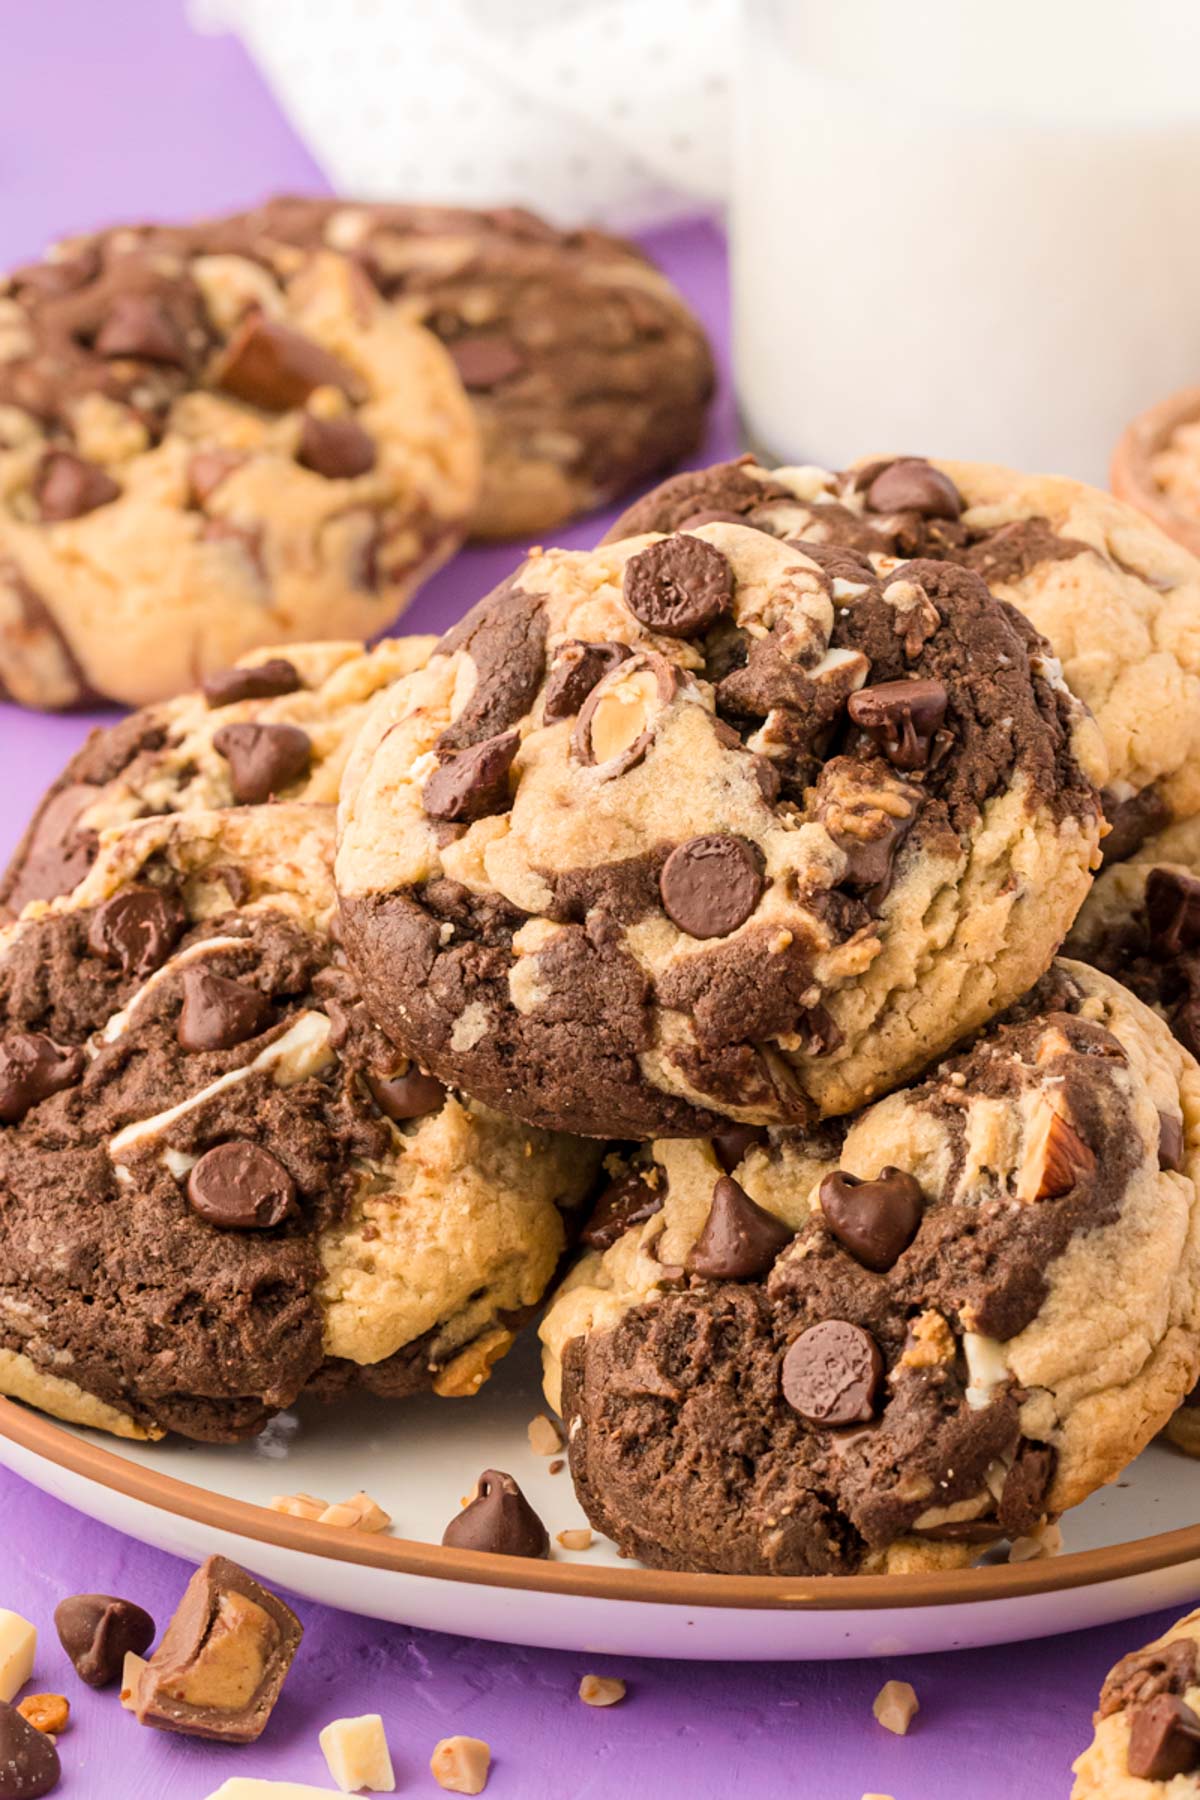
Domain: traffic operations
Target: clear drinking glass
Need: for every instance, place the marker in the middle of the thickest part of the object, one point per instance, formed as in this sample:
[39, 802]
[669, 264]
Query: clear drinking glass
[962, 230]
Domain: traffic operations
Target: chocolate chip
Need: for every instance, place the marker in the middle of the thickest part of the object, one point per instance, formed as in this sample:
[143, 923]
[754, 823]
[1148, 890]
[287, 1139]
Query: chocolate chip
[1132, 821]
[140, 326]
[208, 469]
[711, 885]
[261, 681]
[33, 1066]
[408, 1096]
[901, 718]
[1170, 1142]
[484, 362]
[1164, 1740]
[499, 1519]
[272, 366]
[913, 485]
[732, 1144]
[473, 784]
[739, 1240]
[832, 1373]
[576, 669]
[96, 1631]
[67, 487]
[877, 1220]
[263, 759]
[1172, 911]
[339, 449]
[1022, 1503]
[241, 1187]
[625, 1202]
[218, 1013]
[29, 1763]
[137, 930]
[679, 587]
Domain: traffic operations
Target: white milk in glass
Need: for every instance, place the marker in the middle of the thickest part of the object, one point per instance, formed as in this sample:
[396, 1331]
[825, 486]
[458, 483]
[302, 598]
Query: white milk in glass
[963, 230]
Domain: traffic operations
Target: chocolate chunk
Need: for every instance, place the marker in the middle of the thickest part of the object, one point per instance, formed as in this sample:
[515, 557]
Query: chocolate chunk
[499, 1519]
[473, 784]
[97, 1630]
[207, 470]
[272, 366]
[628, 1201]
[261, 681]
[339, 449]
[1022, 1503]
[913, 485]
[1164, 1740]
[67, 487]
[877, 1220]
[241, 1188]
[696, 519]
[1138, 1677]
[901, 719]
[1170, 1142]
[832, 1373]
[484, 362]
[1132, 821]
[739, 1240]
[222, 1660]
[218, 1013]
[408, 1096]
[137, 930]
[711, 885]
[731, 1145]
[574, 673]
[1172, 911]
[140, 326]
[29, 1763]
[263, 759]
[33, 1066]
[679, 587]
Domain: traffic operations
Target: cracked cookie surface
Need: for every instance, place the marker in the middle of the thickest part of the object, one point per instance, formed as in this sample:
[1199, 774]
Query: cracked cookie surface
[1146, 1744]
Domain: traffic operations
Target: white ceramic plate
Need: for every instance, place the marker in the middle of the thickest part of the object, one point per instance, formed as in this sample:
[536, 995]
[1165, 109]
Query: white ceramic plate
[1131, 1548]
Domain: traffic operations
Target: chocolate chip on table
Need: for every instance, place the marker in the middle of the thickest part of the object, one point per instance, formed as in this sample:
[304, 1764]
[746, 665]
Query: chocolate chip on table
[625, 1202]
[1170, 1142]
[67, 486]
[97, 1631]
[576, 669]
[261, 681]
[139, 326]
[739, 1240]
[137, 930]
[901, 718]
[832, 1374]
[679, 586]
[473, 784]
[271, 366]
[339, 449]
[218, 1013]
[32, 1067]
[875, 1221]
[263, 759]
[408, 1096]
[484, 362]
[499, 1519]
[29, 1764]
[1164, 1739]
[913, 485]
[241, 1187]
[732, 1144]
[711, 885]
[1173, 911]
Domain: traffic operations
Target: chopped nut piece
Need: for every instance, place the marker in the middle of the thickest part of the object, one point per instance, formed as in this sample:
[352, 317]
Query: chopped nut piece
[460, 1764]
[932, 1342]
[895, 1707]
[557, 1466]
[545, 1439]
[18, 1644]
[130, 1676]
[1056, 1157]
[576, 1540]
[468, 1371]
[601, 1690]
[1046, 1541]
[359, 1513]
[357, 1753]
[298, 1506]
[46, 1712]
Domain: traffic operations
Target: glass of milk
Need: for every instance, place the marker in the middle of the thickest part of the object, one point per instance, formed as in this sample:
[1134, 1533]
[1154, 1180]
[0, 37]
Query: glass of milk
[962, 230]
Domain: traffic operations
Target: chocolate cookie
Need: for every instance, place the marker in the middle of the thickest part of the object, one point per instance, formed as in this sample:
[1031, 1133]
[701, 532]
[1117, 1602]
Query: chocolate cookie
[1147, 1727]
[797, 1358]
[279, 724]
[211, 441]
[586, 370]
[221, 1186]
[1116, 598]
[707, 826]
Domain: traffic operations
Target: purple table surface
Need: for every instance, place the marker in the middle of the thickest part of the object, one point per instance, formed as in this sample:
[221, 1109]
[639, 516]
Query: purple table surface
[120, 111]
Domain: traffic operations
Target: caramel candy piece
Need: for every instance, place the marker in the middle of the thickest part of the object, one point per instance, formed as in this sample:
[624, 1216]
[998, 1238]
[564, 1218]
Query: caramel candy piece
[222, 1660]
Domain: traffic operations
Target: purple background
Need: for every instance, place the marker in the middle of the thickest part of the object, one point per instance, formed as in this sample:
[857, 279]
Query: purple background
[116, 110]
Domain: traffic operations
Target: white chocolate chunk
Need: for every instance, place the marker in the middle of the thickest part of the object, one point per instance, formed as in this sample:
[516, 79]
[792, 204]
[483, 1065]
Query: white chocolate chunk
[357, 1753]
[246, 1787]
[987, 1366]
[131, 1675]
[895, 1707]
[18, 1646]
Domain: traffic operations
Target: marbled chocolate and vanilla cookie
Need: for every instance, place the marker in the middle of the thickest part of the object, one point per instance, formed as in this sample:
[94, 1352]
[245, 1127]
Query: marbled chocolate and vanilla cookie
[1147, 1727]
[797, 1356]
[220, 1186]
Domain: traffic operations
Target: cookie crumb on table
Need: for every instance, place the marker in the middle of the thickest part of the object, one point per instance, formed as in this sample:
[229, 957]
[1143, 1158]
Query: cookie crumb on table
[601, 1690]
[896, 1707]
[359, 1513]
[460, 1764]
